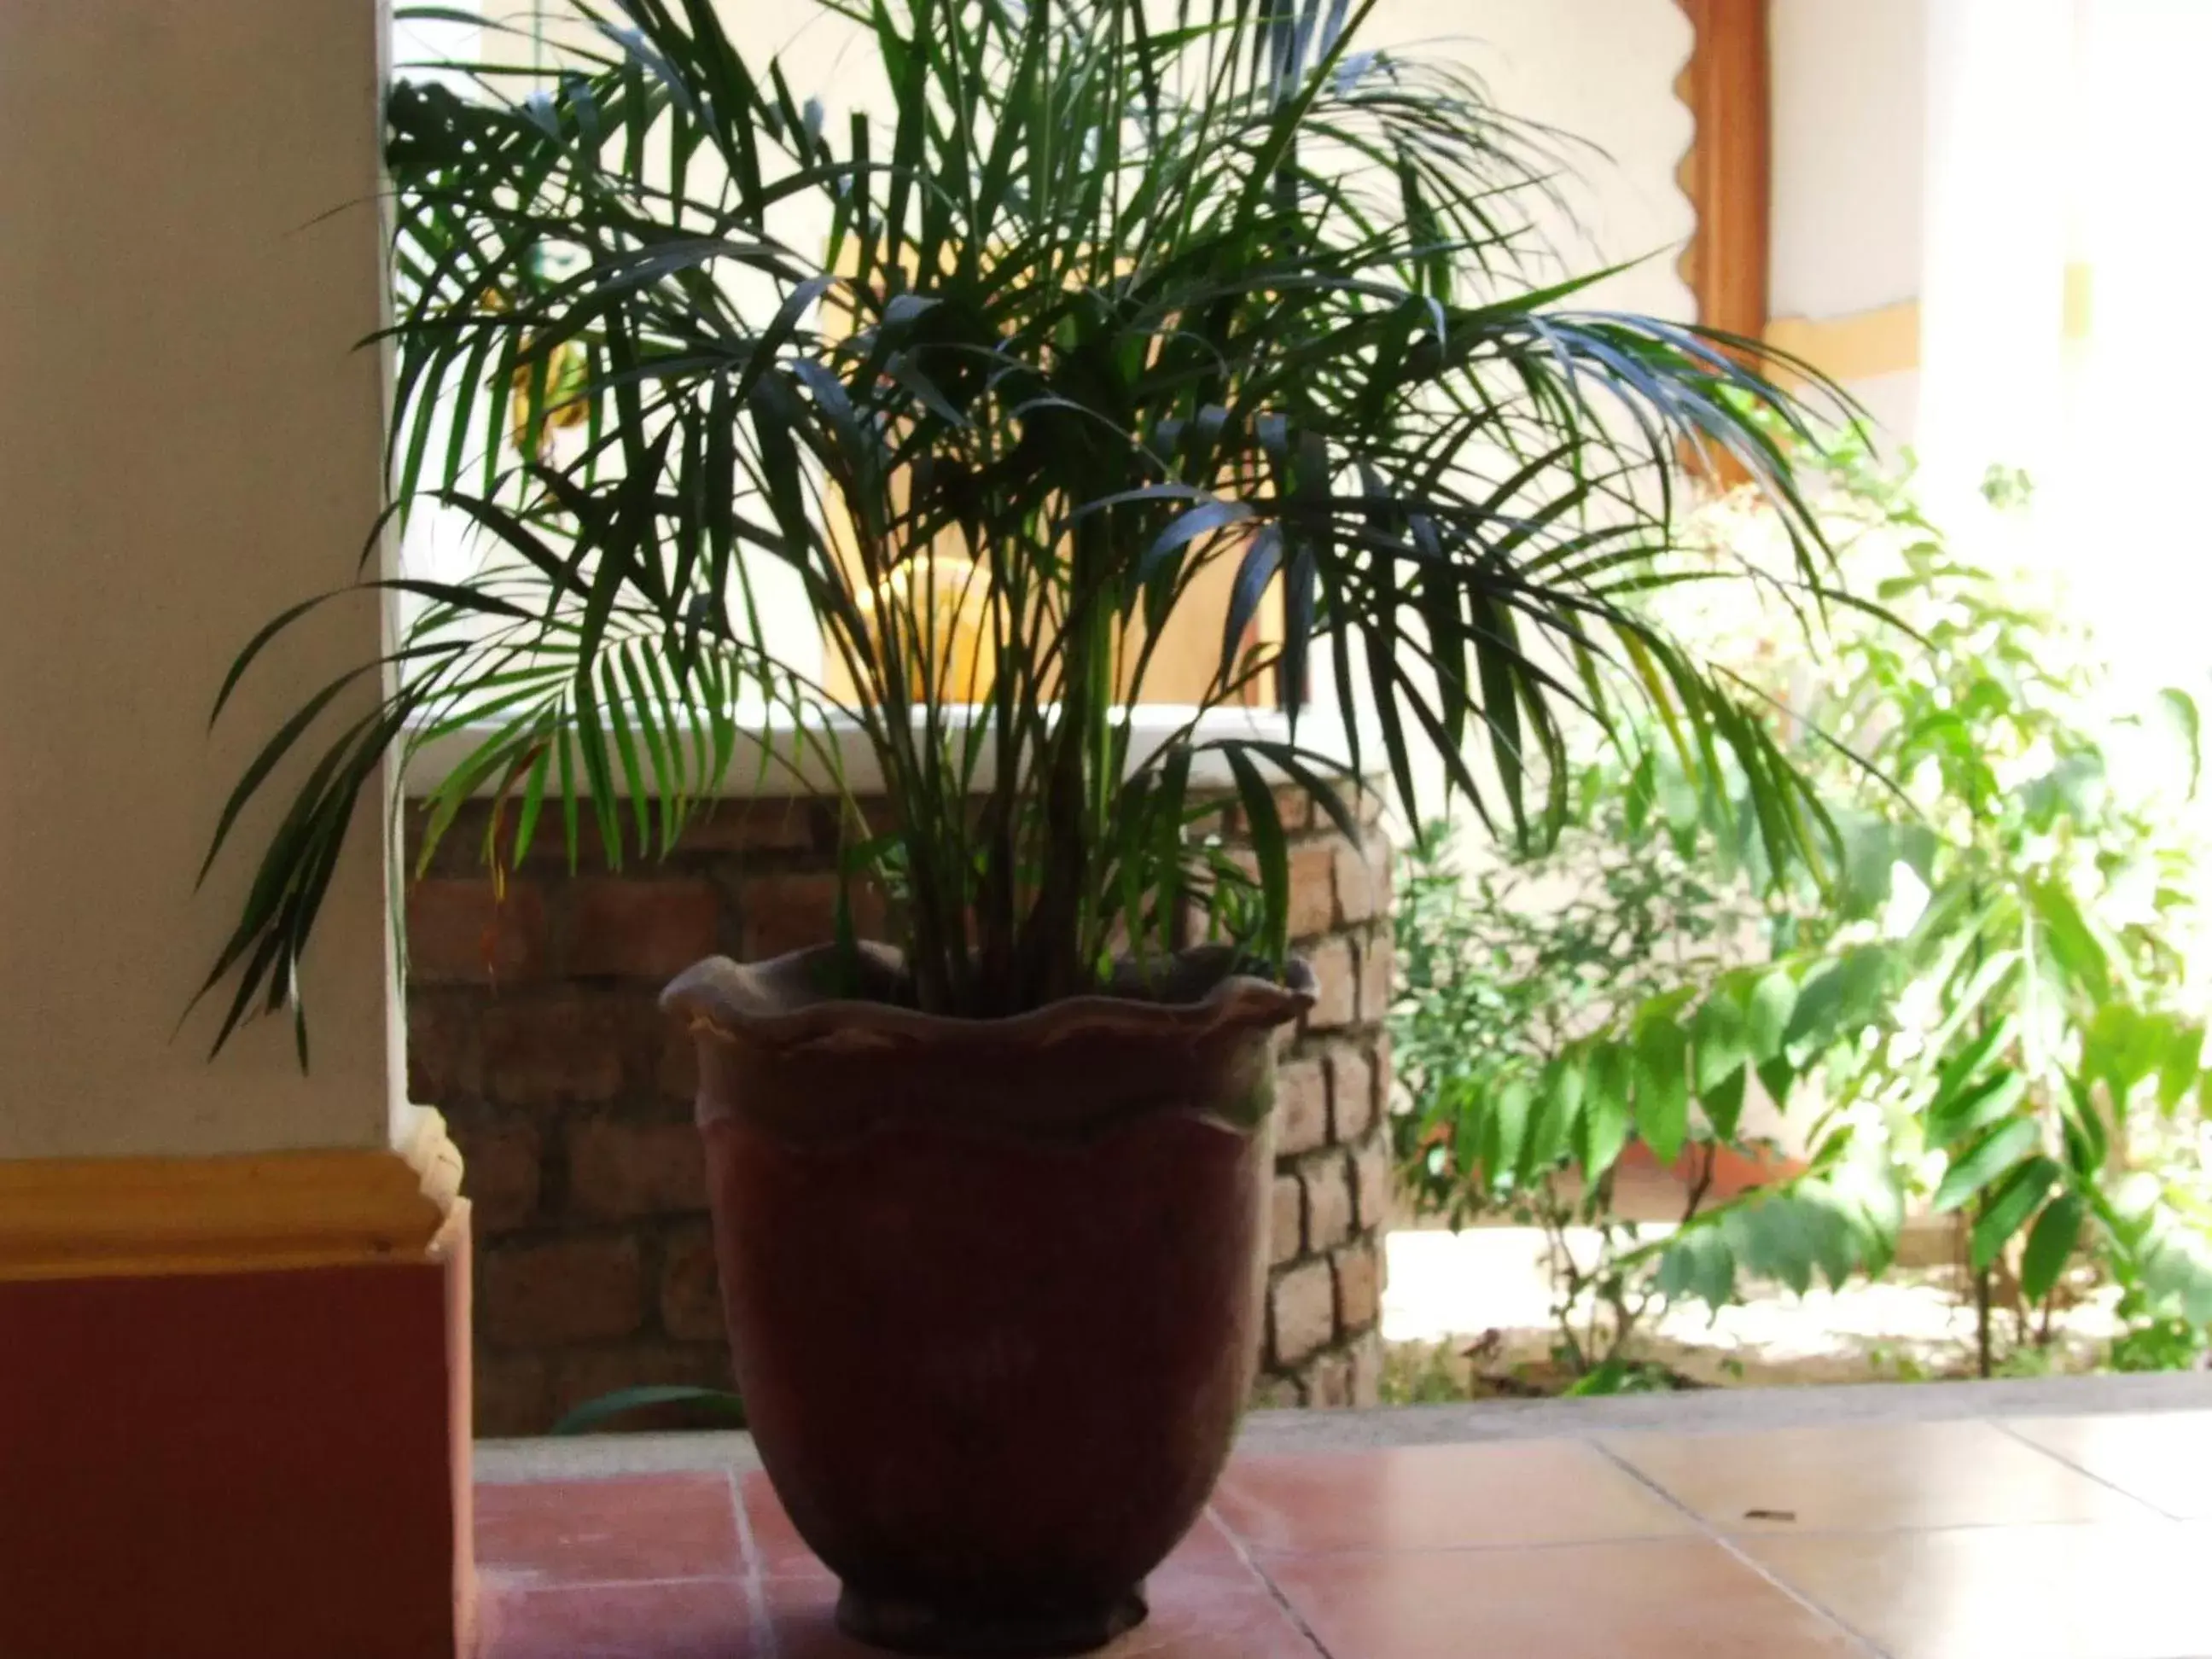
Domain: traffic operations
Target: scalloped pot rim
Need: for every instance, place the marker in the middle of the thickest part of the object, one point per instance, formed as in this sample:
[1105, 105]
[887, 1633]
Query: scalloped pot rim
[776, 1003]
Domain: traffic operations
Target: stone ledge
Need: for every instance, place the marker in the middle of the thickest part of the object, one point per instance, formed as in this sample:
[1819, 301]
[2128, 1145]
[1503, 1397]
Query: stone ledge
[1721, 1411]
[1716, 1411]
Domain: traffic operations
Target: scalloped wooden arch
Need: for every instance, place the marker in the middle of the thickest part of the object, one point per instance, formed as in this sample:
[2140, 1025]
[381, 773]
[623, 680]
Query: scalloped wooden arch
[1726, 171]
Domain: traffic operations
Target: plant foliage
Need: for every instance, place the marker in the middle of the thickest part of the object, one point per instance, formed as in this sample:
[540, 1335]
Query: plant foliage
[1110, 293]
[1990, 1010]
[1614, 993]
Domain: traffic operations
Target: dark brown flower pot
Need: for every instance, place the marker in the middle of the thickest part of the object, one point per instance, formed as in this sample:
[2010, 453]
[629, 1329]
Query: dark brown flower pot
[995, 1288]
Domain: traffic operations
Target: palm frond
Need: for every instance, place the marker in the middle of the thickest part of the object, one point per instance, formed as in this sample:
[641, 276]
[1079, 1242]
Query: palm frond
[1121, 292]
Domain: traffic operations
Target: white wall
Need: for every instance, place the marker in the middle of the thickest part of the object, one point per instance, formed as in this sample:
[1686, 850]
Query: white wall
[1849, 113]
[188, 442]
[1600, 71]
[1850, 125]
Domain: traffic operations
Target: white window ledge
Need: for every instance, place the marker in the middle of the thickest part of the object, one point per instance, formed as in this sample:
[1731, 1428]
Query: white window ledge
[776, 760]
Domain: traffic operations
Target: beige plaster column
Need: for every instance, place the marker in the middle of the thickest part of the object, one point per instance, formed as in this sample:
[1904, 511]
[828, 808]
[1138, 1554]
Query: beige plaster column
[232, 1296]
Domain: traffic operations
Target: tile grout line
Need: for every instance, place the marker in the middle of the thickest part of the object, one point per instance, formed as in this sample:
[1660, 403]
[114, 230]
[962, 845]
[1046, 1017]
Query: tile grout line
[1540, 1546]
[1729, 1547]
[771, 1640]
[1267, 1582]
[2065, 1462]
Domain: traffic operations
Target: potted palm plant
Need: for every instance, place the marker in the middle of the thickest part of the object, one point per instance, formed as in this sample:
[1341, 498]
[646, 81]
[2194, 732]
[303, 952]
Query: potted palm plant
[1110, 309]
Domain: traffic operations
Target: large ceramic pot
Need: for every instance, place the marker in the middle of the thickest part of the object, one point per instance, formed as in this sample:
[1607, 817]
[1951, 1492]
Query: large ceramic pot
[995, 1288]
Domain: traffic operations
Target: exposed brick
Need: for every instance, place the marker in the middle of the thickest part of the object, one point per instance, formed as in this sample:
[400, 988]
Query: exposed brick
[1222, 821]
[1244, 859]
[1358, 1286]
[1371, 1183]
[572, 1290]
[1375, 979]
[1329, 1381]
[1336, 995]
[511, 1395]
[1351, 1094]
[638, 927]
[1286, 1221]
[553, 1087]
[460, 931]
[1313, 898]
[499, 1161]
[1362, 878]
[1301, 1312]
[618, 1169]
[1293, 806]
[765, 824]
[877, 817]
[677, 1075]
[1367, 1370]
[784, 913]
[1301, 1107]
[691, 1288]
[544, 1050]
[444, 1060]
[551, 849]
[1328, 1181]
[1270, 1392]
[581, 1375]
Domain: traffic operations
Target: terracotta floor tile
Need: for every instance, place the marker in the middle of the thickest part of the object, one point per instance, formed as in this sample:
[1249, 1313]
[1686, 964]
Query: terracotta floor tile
[782, 1553]
[1207, 1551]
[776, 1545]
[689, 1619]
[600, 1531]
[2164, 1458]
[1192, 1617]
[1679, 1598]
[2116, 1591]
[1869, 1476]
[1415, 1498]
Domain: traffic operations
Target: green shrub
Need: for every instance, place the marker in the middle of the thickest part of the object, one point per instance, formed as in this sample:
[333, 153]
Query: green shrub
[1985, 1003]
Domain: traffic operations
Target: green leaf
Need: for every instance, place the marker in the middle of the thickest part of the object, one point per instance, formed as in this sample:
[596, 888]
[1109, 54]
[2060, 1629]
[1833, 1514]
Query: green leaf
[2177, 1065]
[2122, 1046]
[2009, 1206]
[1264, 825]
[1985, 1161]
[1767, 1017]
[1608, 1111]
[1774, 1235]
[1978, 1103]
[1509, 1132]
[2071, 943]
[1838, 1002]
[1720, 1052]
[1777, 1076]
[2050, 1245]
[2178, 1270]
[717, 1407]
[2087, 1141]
[1662, 1089]
[1698, 1264]
[1557, 1101]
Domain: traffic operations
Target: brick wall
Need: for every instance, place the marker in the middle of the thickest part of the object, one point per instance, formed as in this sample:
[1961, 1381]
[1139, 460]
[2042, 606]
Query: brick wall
[532, 1024]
